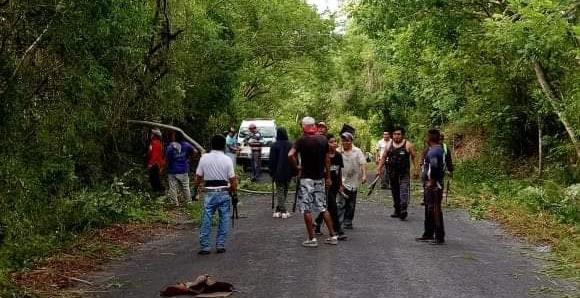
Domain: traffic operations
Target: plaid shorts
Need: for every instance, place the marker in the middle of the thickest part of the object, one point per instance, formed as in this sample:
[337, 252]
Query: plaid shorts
[311, 196]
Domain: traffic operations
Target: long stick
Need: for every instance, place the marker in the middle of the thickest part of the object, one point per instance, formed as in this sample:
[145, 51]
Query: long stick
[174, 128]
[296, 195]
[272, 194]
[447, 192]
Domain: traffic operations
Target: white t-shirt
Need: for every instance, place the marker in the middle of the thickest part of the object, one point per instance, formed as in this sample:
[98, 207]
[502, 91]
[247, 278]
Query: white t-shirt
[383, 145]
[352, 173]
[215, 165]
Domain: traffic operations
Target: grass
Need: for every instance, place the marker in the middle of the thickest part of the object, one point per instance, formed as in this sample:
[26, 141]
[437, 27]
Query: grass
[538, 211]
[49, 233]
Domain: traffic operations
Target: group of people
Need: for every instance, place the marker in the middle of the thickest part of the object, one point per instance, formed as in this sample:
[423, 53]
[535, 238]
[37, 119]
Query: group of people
[328, 178]
[395, 156]
[175, 159]
[323, 171]
[214, 174]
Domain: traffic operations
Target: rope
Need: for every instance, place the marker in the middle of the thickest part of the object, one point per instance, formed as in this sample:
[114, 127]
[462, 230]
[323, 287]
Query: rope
[259, 192]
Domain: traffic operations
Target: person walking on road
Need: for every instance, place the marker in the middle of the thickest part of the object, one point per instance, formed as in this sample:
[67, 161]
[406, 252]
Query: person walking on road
[382, 145]
[399, 156]
[432, 174]
[216, 171]
[314, 172]
[155, 161]
[232, 146]
[281, 171]
[177, 155]
[332, 201]
[354, 173]
[255, 140]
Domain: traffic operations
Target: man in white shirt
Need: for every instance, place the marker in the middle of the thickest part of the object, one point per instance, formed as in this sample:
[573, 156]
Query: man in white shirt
[383, 144]
[216, 170]
[353, 174]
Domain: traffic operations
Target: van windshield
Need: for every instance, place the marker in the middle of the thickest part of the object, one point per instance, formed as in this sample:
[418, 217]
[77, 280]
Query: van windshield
[267, 132]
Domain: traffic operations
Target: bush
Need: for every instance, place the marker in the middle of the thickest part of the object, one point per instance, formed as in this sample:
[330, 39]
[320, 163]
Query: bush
[36, 230]
[551, 197]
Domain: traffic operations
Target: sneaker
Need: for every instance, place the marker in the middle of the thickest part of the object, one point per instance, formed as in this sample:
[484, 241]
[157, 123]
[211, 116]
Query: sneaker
[332, 240]
[403, 215]
[424, 239]
[349, 227]
[276, 215]
[286, 215]
[203, 252]
[437, 242]
[221, 250]
[310, 243]
[395, 215]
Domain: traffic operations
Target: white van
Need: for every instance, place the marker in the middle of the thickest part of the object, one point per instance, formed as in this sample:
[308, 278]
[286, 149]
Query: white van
[267, 127]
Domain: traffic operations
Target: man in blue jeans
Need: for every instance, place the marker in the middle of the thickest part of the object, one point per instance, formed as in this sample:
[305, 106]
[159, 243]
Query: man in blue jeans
[216, 170]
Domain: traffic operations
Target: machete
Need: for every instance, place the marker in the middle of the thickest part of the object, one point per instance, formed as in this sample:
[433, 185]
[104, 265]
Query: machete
[234, 208]
[373, 184]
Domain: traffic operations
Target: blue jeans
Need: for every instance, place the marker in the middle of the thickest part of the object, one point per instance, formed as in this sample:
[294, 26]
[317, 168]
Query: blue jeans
[213, 201]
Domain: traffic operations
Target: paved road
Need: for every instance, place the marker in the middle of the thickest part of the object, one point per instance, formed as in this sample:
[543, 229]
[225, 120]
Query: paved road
[380, 259]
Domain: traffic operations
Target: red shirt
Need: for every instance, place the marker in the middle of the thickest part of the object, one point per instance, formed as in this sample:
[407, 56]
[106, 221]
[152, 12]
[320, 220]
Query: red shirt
[155, 154]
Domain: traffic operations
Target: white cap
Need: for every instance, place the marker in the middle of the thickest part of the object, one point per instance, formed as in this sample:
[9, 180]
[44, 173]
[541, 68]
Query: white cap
[308, 121]
[156, 132]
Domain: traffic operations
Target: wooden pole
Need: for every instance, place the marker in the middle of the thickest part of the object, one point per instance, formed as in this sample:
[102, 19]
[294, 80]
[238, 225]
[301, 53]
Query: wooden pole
[540, 151]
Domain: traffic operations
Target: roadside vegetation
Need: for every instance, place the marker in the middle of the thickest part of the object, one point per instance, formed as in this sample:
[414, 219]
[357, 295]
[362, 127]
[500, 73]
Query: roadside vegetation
[501, 78]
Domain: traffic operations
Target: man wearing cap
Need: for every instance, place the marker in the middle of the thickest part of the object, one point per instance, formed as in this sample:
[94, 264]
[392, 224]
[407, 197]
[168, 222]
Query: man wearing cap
[216, 170]
[177, 155]
[353, 174]
[312, 149]
[255, 140]
[155, 161]
[322, 128]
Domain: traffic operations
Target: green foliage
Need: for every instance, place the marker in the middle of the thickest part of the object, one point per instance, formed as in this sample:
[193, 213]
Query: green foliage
[39, 229]
[490, 181]
[469, 64]
[563, 203]
[73, 72]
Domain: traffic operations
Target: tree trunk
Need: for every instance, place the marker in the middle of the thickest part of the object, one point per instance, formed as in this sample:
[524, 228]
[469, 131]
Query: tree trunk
[555, 102]
[540, 152]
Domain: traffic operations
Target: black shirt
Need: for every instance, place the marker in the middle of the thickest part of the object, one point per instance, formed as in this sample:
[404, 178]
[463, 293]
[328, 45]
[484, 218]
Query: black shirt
[312, 150]
[336, 166]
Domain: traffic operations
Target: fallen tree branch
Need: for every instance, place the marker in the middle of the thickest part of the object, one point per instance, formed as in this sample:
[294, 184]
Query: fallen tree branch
[36, 41]
[170, 127]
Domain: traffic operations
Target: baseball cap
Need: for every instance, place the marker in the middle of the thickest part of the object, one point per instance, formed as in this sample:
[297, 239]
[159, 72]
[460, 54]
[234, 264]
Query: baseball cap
[308, 121]
[156, 132]
[347, 135]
